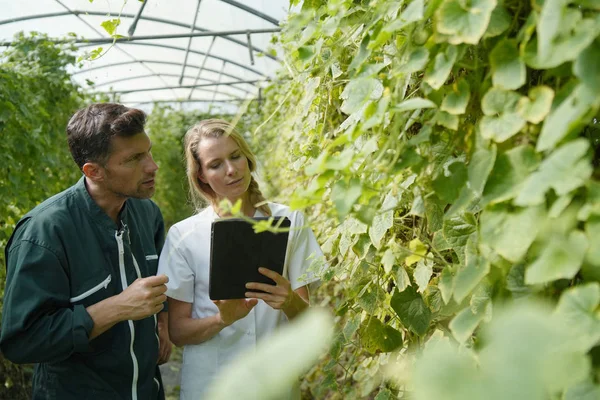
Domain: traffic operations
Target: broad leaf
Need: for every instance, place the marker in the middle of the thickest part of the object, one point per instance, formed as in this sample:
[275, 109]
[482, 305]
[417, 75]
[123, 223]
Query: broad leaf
[438, 71]
[464, 22]
[376, 337]
[412, 13]
[566, 169]
[412, 310]
[587, 67]
[423, 273]
[418, 250]
[447, 186]
[358, 92]
[344, 195]
[560, 259]
[414, 104]
[457, 99]
[510, 232]
[416, 61]
[535, 107]
[501, 120]
[469, 276]
[567, 117]
[508, 69]
[577, 311]
[510, 170]
[464, 324]
[499, 22]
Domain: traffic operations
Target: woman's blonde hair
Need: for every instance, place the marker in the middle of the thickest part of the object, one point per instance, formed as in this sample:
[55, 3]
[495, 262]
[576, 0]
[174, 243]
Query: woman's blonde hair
[202, 192]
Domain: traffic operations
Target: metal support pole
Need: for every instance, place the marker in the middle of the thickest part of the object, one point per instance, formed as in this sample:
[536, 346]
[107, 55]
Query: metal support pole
[187, 51]
[183, 87]
[131, 29]
[202, 66]
[154, 37]
[250, 48]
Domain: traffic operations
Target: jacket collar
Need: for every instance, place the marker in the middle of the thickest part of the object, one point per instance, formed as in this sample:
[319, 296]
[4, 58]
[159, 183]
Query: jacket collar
[94, 210]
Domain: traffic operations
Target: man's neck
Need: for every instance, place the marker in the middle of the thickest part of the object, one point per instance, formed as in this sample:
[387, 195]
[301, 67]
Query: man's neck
[110, 203]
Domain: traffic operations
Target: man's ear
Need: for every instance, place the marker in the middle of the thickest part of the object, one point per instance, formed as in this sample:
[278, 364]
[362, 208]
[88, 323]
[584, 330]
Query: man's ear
[93, 171]
[202, 178]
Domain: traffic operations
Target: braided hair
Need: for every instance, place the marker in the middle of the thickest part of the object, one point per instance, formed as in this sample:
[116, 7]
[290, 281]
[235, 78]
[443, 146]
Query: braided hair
[202, 192]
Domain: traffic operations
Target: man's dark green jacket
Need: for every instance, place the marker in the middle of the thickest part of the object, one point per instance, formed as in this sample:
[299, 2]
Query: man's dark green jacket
[65, 255]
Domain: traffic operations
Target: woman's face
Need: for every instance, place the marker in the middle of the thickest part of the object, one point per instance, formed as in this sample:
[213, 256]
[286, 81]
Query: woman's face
[224, 167]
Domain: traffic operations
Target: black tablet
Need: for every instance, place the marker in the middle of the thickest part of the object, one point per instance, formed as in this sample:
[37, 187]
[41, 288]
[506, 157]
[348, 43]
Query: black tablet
[236, 253]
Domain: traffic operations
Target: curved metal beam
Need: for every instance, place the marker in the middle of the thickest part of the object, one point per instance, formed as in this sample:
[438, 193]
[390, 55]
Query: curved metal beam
[155, 62]
[131, 78]
[179, 87]
[183, 49]
[153, 19]
[188, 101]
[251, 11]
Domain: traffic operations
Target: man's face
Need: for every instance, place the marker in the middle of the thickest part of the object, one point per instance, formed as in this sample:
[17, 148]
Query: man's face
[130, 169]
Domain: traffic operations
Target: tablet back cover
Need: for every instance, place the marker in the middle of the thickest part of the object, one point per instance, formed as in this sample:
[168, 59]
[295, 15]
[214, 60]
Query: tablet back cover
[236, 253]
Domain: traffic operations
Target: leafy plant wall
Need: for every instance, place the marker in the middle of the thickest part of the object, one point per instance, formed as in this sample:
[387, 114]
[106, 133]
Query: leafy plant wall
[446, 152]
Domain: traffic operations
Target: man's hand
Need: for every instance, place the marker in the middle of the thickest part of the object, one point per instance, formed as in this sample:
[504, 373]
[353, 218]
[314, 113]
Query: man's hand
[144, 297]
[164, 352]
[232, 310]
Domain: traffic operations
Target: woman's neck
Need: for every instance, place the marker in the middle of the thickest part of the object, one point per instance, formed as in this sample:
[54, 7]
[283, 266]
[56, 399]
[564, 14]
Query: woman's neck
[247, 208]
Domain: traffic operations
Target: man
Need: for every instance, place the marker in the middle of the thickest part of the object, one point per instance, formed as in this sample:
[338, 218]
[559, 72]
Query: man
[81, 293]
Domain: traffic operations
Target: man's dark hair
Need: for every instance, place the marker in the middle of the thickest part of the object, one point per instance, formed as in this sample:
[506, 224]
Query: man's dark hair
[91, 129]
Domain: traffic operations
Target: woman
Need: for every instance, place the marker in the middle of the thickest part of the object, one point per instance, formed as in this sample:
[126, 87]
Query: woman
[219, 166]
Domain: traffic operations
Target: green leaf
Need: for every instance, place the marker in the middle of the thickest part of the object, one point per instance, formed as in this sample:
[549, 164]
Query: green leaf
[464, 22]
[376, 337]
[412, 310]
[414, 104]
[252, 375]
[499, 22]
[371, 299]
[535, 107]
[510, 170]
[358, 92]
[508, 69]
[469, 276]
[576, 309]
[388, 260]
[110, 25]
[446, 120]
[457, 231]
[434, 212]
[510, 232]
[447, 185]
[351, 326]
[402, 279]
[446, 284]
[587, 67]
[438, 71]
[383, 221]
[306, 53]
[592, 230]
[464, 324]
[423, 273]
[583, 391]
[457, 99]
[560, 259]
[481, 165]
[412, 13]
[416, 61]
[344, 195]
[567, 117]
[566, 169]
[508, 123]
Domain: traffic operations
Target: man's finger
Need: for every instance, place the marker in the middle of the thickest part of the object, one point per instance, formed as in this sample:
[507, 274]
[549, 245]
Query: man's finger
[262, 296]
[157, 280]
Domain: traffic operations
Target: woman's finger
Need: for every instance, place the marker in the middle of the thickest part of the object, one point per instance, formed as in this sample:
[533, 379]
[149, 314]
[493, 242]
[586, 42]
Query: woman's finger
[280, 280]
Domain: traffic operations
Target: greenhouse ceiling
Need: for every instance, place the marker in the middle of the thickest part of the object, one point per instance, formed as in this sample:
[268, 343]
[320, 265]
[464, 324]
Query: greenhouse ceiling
[192, 53]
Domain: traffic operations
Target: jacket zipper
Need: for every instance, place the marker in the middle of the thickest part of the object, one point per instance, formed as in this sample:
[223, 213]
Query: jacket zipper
[101, 285]
[139, 275]
[119, 238]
